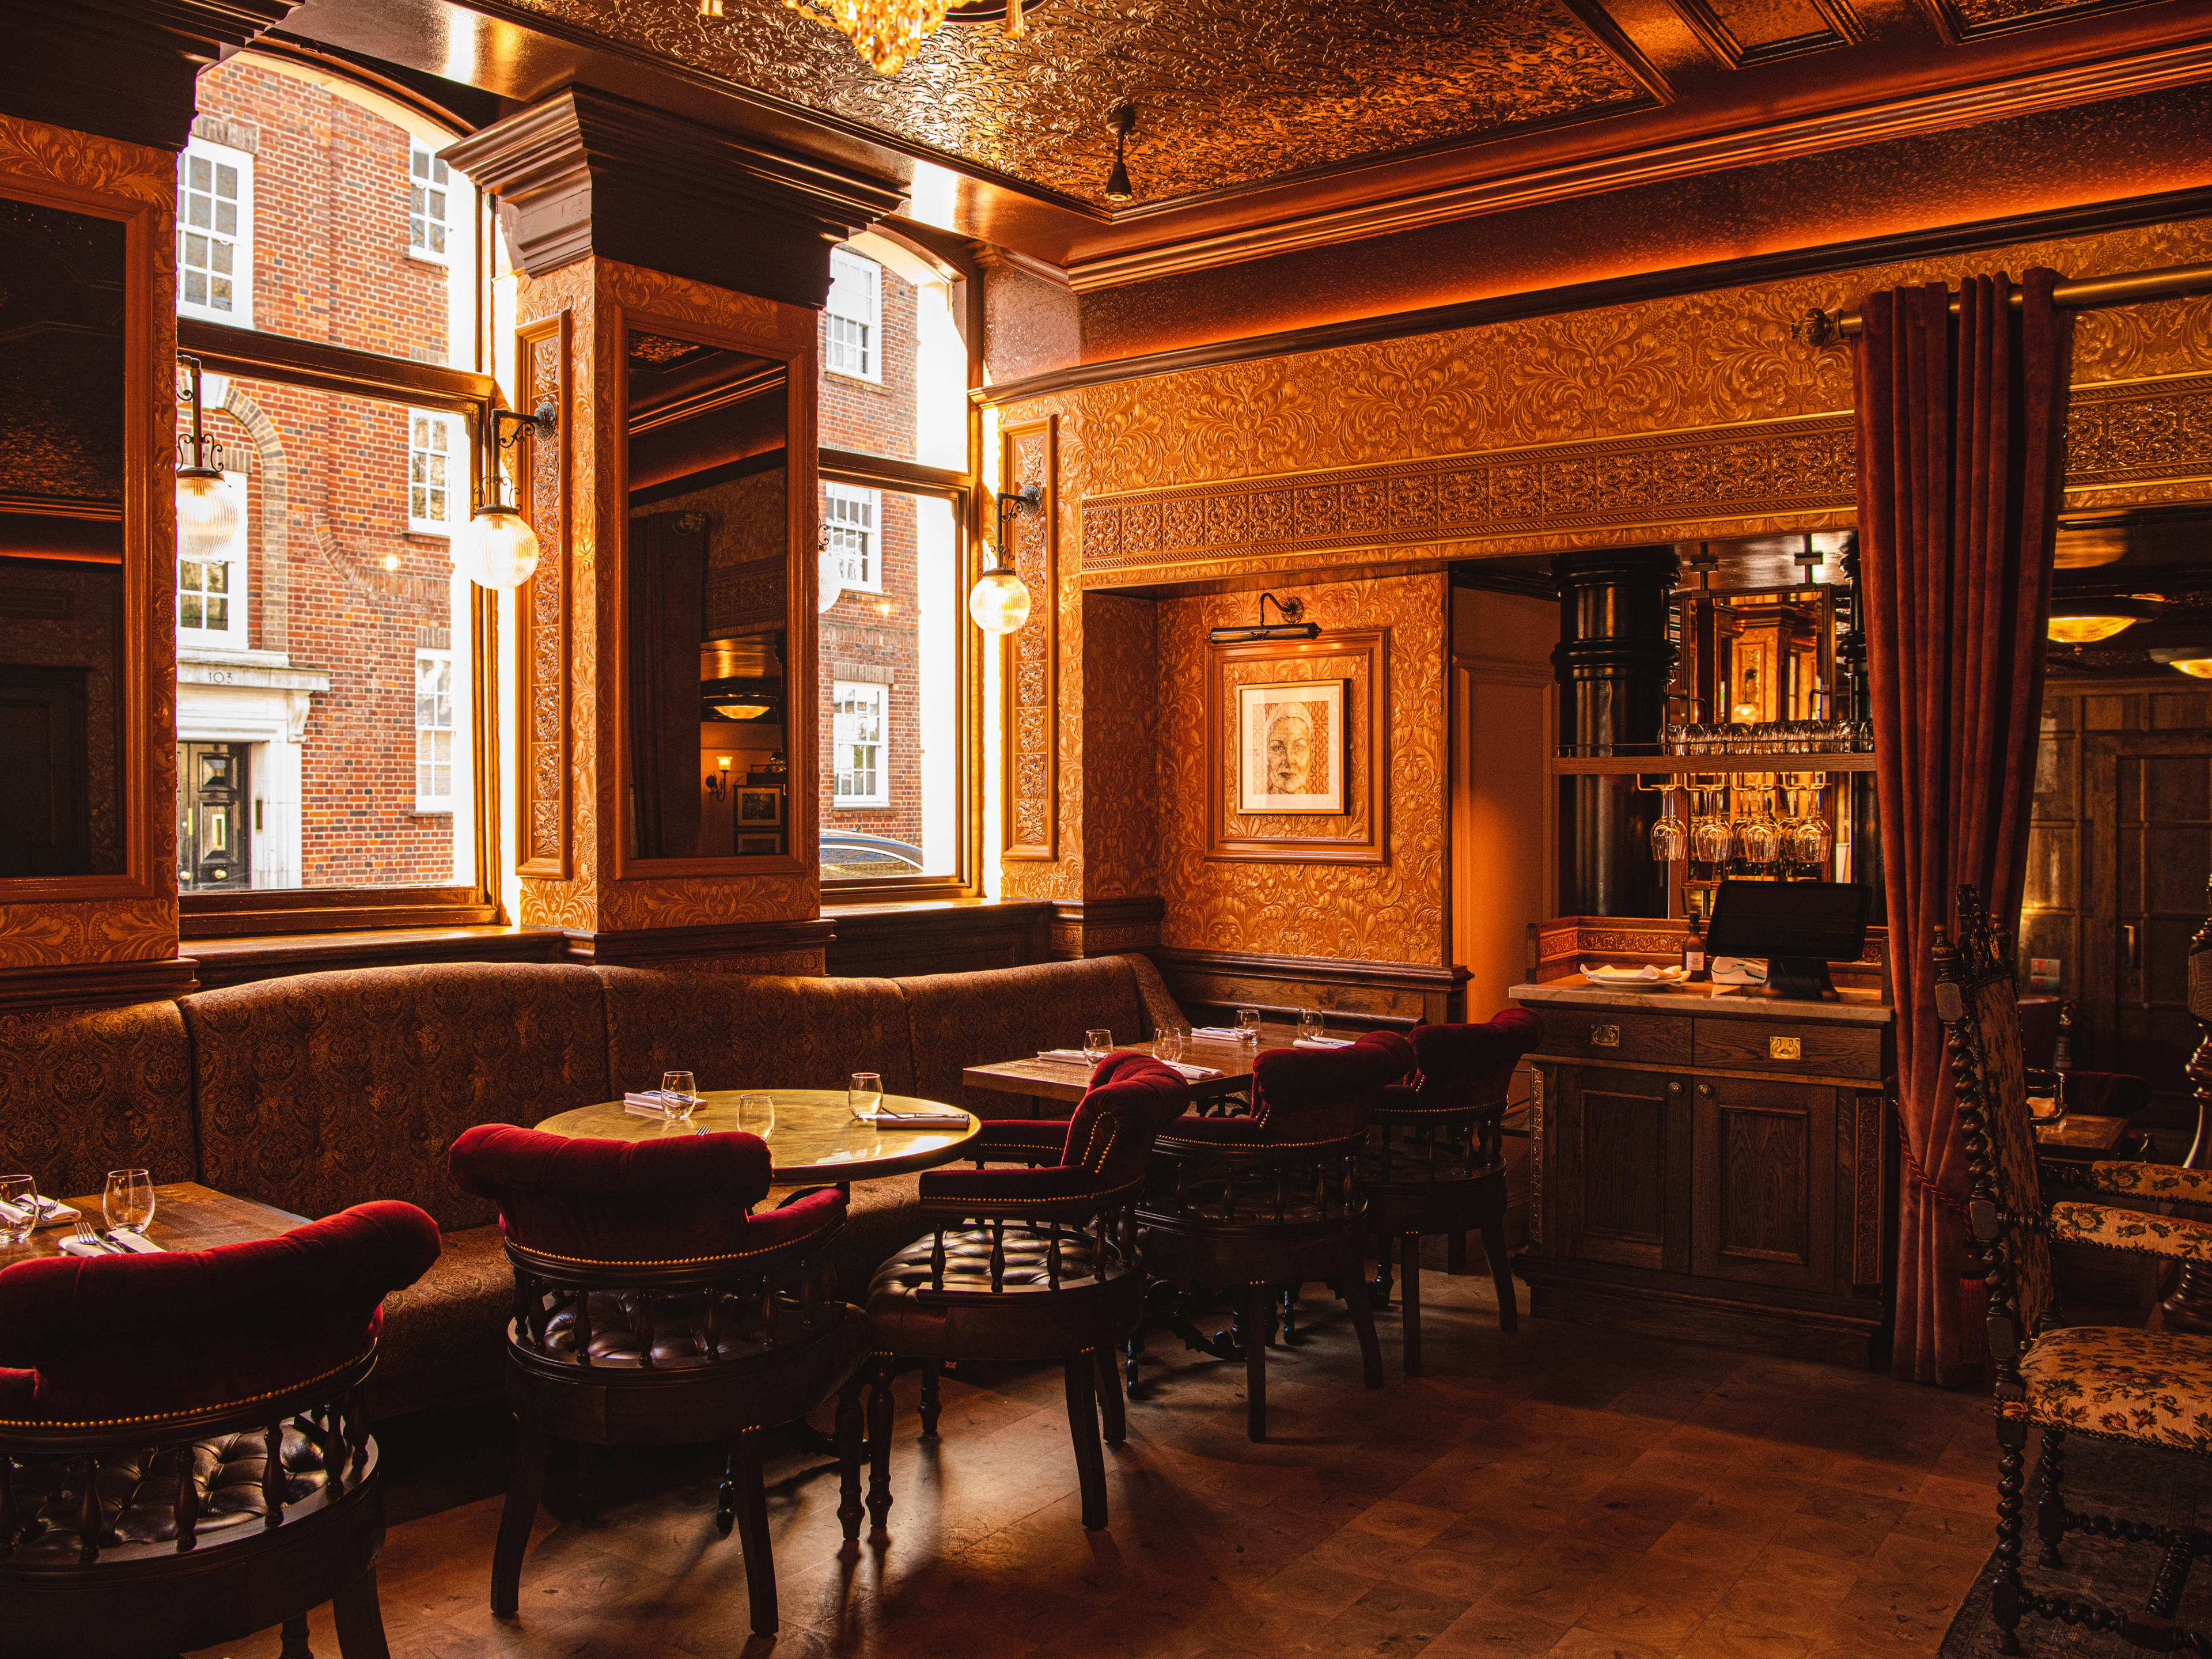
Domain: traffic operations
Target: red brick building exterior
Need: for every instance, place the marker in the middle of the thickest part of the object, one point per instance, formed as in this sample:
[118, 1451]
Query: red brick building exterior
[870, 636]
[345, 603]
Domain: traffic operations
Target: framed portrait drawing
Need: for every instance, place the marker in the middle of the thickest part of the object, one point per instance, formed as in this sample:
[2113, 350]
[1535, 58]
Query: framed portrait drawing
[1291, 740]
[759, 809]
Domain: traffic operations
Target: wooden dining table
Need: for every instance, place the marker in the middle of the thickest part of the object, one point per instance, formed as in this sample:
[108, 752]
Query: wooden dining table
[815, 1137]
[186, 1217]
[1070, 1080]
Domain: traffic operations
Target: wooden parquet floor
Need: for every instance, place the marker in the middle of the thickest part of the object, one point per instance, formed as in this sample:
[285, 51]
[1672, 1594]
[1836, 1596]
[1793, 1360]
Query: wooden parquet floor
[1562, 1492]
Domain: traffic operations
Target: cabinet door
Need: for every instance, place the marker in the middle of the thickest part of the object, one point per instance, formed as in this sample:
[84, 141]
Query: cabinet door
[1623, 1149]
[1765, 1195]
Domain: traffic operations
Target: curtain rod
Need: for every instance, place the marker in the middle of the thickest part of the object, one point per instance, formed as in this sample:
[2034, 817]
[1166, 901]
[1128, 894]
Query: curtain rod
[1820, 328]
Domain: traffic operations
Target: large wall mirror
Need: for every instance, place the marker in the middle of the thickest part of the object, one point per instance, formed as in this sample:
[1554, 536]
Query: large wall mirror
[65, 585]
[710, 674]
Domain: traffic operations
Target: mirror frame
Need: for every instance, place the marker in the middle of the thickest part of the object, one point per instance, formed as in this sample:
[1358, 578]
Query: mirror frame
[800, 561]
[146, 514]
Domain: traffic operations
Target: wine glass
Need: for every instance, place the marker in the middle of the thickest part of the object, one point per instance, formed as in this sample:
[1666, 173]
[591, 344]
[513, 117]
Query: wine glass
[756, 1114]
[1310, 1024]
[19, 1196]
[128, 1201]
[1670, 835]
[1167, 1044]
[679, 1096]
[1096, 1045]
[1248, 1025]
[864, 1096]
[1809, 842]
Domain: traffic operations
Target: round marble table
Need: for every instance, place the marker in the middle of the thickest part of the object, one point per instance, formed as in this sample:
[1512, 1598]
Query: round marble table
[815, 1137]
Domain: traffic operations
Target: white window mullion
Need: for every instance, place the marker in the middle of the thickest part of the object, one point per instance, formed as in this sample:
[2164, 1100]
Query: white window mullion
[861, 753]
[215, 232]
[434, 457]
[430, 190]
[854, 315]
[850, 521]
[434, 730]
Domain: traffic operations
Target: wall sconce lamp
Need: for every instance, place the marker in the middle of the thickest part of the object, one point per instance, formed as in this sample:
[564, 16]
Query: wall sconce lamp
[999, 602]
[718, 782]
[2085, 622]
[1123, 120]
[497, 548]
[1291, 624]
[207, 518]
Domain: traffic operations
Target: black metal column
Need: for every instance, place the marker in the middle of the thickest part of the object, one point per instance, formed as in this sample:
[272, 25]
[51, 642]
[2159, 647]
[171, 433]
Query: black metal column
[1613, 662]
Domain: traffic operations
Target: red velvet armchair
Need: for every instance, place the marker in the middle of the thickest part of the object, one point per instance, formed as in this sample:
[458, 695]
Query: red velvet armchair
[1030, 1263]
[1268, 1201]
[653, 1307]
[183, 1461]
[1435, 1160]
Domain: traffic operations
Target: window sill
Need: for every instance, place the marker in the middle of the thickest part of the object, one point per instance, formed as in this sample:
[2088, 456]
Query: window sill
[221, 961]
[441, 537]
[422, 811]
[416, 255]
[875, 380]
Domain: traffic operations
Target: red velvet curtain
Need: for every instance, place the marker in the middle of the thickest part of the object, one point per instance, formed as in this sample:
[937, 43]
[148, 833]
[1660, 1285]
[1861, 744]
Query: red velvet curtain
[1961, 459]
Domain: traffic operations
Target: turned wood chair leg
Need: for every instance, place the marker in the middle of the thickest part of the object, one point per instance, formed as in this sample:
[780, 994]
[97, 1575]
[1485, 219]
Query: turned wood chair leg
[1501, 1271]
[2005, 1588]
[1362, 1321]
[1257, 1317]
[1379, 1291]
[525, 1485]
[879, 1445]
[1409, 1301]
[1111, 1407]
[849, 1511]
[295, 1638]
[1456, 1253]
[752, 1532]
[932, 1372]
[1078, 1370]
[2049, 1500]
[726, 1498]
[360, 1619]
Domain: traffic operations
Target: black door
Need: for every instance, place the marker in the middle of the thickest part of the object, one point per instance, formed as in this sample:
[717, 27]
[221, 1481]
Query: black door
[212, 842]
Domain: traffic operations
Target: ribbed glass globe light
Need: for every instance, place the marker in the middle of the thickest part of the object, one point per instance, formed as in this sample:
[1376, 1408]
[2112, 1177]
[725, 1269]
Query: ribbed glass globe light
[207, 518]
[999, 602]
[496, 548]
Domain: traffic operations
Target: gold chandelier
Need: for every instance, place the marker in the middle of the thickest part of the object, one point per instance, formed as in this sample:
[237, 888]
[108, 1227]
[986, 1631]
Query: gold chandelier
[886, 33]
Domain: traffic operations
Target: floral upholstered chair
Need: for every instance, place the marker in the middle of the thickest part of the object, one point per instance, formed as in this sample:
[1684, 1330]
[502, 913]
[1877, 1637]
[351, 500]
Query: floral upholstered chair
[2117, 1382]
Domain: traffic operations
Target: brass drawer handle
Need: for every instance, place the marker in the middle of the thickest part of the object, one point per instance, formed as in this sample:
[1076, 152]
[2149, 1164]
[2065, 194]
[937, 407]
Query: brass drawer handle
[1706, 1090]
[1673, 1088]
[1605, 1037]
[1785, 1049]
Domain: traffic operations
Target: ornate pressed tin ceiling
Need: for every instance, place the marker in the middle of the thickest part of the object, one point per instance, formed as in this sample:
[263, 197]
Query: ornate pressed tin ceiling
[1228, 92]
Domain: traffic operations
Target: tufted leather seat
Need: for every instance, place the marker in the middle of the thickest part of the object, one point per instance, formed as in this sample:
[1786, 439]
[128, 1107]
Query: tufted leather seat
[1435, 1161]
[1030, 1263]
[137, 1489]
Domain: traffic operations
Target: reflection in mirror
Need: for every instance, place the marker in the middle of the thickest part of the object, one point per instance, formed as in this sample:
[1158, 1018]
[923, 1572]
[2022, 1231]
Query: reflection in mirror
[62, 281]
[706, 601]
[1766, 655]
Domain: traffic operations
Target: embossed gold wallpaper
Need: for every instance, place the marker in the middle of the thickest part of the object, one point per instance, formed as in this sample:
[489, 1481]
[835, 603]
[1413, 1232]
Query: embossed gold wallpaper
[1684, 417]
[1391, 912]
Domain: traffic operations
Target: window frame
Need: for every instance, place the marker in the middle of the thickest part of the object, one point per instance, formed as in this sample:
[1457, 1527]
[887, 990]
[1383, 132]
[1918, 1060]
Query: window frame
[421, 250]
[873, 502]
[879, 694]
[963, 490]
[241, 314]
[321, 366]
[434, 805]
[872, 350]
[456, 438]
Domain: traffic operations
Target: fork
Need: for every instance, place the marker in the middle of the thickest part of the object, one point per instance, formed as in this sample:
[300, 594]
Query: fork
[87, 1235]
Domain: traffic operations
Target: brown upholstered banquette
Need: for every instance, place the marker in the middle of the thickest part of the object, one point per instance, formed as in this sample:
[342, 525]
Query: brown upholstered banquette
[320, 1091]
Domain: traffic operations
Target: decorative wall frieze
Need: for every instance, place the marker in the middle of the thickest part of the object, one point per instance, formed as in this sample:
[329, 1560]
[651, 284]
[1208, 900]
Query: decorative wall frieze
[542, 780]
[2118, 434]
[1031, 455]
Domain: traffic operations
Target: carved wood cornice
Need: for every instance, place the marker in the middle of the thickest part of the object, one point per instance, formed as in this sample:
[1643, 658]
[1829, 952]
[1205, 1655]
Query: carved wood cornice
[587, 174]
[123, 68]
[2131, 432]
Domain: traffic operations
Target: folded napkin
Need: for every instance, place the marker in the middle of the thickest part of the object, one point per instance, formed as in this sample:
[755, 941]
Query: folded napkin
[1192, 1072]
[132, 1242]
[1645, 975]
[1323, 1042]
[1222, 1033]
[651, 1103]
[52, 1213]
[1073, 1056]
[1737, 970]
[921, 1120]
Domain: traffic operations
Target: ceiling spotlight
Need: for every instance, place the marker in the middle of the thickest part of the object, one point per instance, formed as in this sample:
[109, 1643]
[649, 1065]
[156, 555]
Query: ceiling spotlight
[1293, 624]
[1123, 120]
[2085, 622]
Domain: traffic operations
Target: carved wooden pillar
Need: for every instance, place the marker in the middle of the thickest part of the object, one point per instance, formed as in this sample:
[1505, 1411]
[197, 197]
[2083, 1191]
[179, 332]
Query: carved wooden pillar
[614, 210]
[1613, 661]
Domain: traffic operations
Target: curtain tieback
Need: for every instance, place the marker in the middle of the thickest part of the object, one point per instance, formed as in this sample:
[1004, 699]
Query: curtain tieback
[1949, 1200]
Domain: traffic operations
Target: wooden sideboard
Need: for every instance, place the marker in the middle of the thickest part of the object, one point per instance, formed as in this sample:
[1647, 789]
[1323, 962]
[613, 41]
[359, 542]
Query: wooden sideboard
[1714, 1167]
